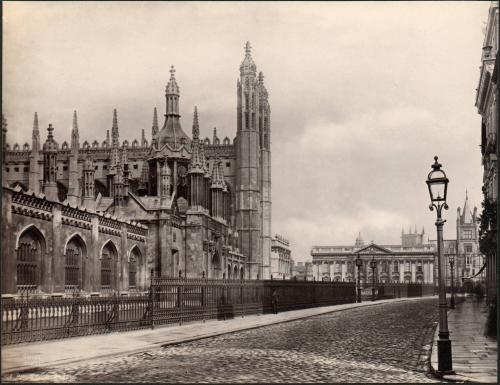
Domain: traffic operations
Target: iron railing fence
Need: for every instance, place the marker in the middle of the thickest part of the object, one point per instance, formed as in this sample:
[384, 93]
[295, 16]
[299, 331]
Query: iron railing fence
[174, 301]
[185, 300]
[39, 319]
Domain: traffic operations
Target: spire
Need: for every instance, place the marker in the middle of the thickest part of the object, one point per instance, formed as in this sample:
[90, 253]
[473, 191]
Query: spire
[215, 136]
[35, 136]
[466, 213]
[196, 124]
[402, 230]
[415, 229]
[75, 142]
[114, 130]
[107, 138]
[144, 142]
[154, 129]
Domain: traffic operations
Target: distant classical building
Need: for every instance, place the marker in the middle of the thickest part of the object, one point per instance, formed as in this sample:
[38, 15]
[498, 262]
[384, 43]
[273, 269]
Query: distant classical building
[487, 106]
[412, 261]
[302, 271]
[76, 215]
[281, 261]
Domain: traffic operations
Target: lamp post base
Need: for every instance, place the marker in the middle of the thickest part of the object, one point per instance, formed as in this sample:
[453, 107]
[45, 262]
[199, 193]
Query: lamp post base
[444, 357]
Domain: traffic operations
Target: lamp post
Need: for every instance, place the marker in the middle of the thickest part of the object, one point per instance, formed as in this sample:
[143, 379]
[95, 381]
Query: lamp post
[373, 265]
[437, 182]
[359, 264]
[451, 259]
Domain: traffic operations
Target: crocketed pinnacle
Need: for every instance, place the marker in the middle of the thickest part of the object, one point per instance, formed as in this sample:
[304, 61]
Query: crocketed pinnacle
[50, 144]
[36, 131]
[154, 129]
[217, 180]
[74, 132]
[89, 163]
[172, 87]
[196, 124]
[215, 135]
[114, 130]
[248, 66]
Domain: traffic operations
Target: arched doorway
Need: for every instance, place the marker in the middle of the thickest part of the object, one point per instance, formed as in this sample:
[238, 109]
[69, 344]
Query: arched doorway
[74, 257]
[136, 270]
[242, 273]
[216, 265]
[228, 271]
[109, 257]
[235, 275]
[30, 252]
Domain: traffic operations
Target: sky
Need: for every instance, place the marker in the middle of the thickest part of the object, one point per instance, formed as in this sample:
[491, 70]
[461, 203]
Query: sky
[363, 95]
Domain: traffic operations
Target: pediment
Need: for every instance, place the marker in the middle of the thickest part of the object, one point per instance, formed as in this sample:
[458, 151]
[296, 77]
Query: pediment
[373, 249]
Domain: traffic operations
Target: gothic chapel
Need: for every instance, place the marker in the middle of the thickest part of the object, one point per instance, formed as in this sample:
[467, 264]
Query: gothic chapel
[104, 215]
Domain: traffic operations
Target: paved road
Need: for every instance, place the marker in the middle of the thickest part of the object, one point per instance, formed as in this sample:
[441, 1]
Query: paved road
[384, 343]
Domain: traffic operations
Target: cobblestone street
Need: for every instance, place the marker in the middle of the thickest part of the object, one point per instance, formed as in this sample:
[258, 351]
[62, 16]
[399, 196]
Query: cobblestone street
[383, 343]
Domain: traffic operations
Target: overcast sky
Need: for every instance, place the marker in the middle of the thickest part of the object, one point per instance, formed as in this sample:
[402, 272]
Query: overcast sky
[362, 95]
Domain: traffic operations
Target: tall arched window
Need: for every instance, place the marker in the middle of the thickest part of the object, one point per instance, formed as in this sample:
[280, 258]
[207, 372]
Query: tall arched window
[75, 251]
[108, 258]
[132, 272]
[30, 250]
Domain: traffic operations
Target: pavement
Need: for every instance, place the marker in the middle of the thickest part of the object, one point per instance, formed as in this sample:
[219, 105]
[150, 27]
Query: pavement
[52, 354]
[474, 356]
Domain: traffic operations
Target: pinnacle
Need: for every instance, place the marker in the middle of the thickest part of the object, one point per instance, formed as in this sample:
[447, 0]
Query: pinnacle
[75, 121]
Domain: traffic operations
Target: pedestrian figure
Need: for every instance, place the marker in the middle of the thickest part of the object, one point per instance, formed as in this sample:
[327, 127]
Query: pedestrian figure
[274, 297]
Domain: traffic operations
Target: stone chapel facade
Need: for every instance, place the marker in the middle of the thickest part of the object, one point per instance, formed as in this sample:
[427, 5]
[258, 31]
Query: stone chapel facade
[76, 215]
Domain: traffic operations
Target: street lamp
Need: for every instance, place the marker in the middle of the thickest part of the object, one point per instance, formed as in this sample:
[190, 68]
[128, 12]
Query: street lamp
[451, 259]
[437, 182]
[359, 264]
[373, 265]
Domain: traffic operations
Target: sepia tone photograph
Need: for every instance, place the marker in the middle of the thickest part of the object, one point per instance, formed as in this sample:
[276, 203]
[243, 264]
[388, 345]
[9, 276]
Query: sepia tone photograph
[249, 192]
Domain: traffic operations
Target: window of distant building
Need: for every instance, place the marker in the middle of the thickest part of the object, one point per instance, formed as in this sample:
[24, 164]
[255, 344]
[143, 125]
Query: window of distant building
[26, 169]
[174, 237]
[136, 166]
[467, 260]
[228, 164]
[468, 234]
[7, 169]
[105, 167]
[16, 169]
[468, 248]
[96, 167]
[65, 168]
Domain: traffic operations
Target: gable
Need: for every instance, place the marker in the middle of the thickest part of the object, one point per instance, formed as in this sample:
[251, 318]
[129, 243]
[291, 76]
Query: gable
[374, 249]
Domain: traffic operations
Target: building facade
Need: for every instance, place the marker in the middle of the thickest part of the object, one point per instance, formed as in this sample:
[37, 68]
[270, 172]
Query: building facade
[302, 271]
[203, 207]
[487, 106]
[411, 262]
[281, 258]
[468, 261]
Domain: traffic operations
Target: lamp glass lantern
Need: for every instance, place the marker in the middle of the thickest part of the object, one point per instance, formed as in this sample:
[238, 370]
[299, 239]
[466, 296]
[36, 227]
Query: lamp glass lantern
[437, 182]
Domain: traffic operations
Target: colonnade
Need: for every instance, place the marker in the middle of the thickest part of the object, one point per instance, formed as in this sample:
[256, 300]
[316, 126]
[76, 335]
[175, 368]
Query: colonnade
[400, 270]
